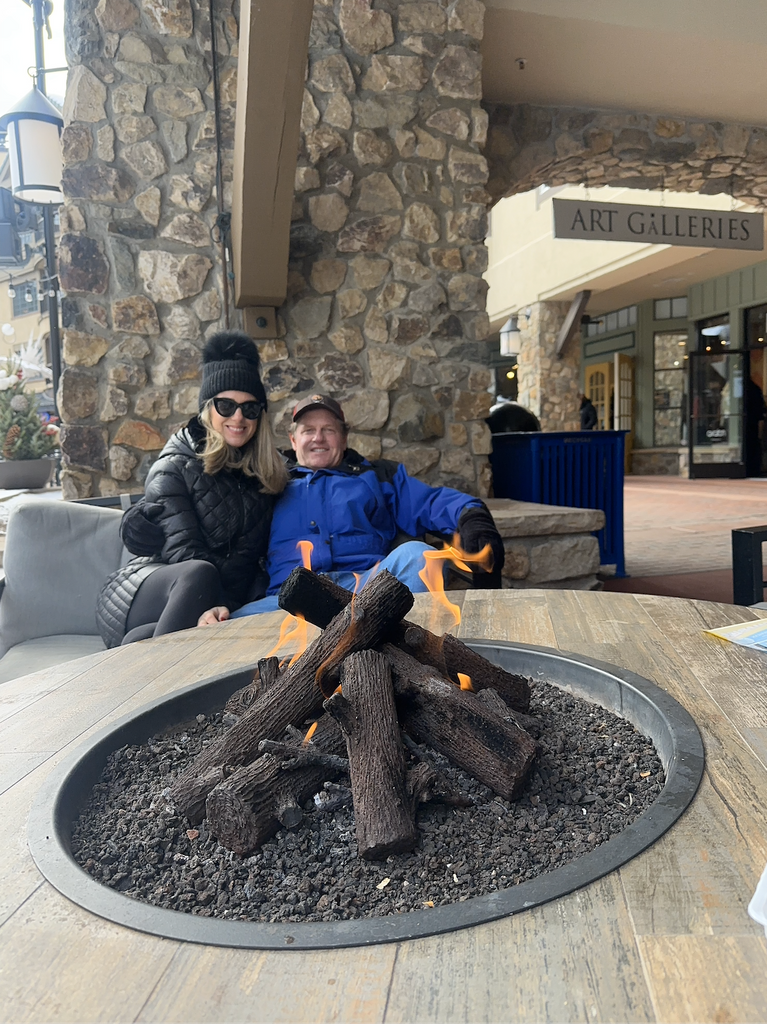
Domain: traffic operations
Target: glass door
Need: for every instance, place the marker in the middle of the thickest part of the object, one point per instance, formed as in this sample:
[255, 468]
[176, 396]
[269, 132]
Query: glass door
[717, 414]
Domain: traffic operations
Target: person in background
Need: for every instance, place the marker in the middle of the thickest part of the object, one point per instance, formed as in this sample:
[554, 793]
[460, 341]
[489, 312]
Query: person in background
[589, 418]
[509, 417]
[204, 519]
[353, 511]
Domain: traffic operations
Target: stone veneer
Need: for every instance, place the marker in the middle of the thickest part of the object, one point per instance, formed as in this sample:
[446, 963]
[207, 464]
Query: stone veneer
[386, 300]
[547, 545]
[530, 146]
[549, 383]
[141, 274]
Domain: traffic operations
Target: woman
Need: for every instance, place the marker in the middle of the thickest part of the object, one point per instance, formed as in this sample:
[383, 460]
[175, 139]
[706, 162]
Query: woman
[205, 516]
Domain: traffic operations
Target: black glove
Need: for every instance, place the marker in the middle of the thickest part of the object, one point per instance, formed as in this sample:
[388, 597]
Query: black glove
[476, 528]
[139, 532]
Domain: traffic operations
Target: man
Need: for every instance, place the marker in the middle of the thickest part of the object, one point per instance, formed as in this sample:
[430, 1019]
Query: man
[353, 512]
[589, 418]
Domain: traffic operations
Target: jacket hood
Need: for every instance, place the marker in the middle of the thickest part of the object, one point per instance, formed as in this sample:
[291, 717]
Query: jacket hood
[190, 440]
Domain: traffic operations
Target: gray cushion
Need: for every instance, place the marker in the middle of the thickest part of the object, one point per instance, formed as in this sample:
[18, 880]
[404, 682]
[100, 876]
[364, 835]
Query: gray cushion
[57, 557]
[45, 652]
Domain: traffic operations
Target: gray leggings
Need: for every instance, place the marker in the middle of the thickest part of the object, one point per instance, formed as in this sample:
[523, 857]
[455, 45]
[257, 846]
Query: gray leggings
[172, 598]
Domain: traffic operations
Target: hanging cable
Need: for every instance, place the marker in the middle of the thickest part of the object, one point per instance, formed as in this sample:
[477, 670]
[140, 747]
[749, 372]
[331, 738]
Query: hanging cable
[221, 233]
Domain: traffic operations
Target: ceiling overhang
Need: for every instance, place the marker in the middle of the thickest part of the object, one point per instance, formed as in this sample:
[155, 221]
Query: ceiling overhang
[690, 58]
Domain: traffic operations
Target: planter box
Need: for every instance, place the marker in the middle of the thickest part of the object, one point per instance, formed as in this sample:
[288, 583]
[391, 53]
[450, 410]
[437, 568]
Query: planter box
[26, 473]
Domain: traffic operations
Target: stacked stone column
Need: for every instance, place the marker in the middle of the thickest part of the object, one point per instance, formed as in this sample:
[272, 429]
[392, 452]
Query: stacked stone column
[140, 270]
[549, 383]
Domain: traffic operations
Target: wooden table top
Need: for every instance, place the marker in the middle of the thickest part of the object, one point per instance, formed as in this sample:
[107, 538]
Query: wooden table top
[665, 938]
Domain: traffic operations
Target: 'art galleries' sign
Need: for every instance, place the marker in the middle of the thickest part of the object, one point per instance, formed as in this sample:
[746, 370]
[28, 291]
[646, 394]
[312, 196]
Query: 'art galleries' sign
[658, 225]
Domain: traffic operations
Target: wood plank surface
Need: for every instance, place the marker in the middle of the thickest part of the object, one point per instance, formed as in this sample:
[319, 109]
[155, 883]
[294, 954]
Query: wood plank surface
[205, 983]
[517, 615]
[572, 960]
[54, 967]
[665, 938]
[701, 978]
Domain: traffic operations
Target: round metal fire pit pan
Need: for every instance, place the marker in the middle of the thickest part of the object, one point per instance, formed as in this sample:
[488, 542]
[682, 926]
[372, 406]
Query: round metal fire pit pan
[650, 709]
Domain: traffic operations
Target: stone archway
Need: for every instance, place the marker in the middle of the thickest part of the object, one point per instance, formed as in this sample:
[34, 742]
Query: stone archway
[529, 146]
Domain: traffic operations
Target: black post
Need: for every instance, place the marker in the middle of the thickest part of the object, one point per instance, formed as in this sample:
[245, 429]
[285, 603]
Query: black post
[747, 571]
[52, 298]
[51, 283]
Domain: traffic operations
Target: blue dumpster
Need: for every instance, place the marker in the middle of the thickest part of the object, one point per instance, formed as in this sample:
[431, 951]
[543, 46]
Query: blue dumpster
[579, 469]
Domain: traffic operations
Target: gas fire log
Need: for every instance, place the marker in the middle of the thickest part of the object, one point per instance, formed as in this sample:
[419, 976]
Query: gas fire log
[368, 719]
[317, 598]
[265, 676]
[297, 693]
[246, 809]
[432, 710]
[492, 699]
[426, 785]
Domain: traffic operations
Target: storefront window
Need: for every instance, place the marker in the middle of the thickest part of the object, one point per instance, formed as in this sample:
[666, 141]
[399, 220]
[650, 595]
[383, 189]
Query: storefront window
[670, 416]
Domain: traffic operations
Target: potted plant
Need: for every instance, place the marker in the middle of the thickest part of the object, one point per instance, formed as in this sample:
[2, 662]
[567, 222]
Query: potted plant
[25, 441]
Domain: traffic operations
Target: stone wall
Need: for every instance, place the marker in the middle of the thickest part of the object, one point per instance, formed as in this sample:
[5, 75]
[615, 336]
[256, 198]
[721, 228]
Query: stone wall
[386, 309]
[549, 383]
[141, 274]
[386, 298]
[530, 146]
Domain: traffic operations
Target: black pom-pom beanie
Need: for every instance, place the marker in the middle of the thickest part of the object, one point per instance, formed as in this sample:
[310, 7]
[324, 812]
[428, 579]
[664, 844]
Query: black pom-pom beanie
[230, 362]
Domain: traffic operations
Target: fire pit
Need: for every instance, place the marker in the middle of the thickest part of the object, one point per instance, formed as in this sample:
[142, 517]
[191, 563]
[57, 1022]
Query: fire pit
[647, 707]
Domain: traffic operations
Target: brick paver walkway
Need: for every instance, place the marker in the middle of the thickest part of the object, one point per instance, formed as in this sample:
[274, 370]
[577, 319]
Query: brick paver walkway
[681, 526]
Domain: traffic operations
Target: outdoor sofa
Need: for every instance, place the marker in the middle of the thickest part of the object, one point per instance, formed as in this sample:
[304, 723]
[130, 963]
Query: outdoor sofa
[57, 556]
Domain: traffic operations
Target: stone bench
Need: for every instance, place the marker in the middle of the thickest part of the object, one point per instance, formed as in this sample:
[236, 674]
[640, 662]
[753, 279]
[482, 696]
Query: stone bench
[548, 545]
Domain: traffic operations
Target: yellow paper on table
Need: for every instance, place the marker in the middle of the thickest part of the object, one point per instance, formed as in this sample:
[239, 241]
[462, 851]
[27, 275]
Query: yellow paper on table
[746, 634]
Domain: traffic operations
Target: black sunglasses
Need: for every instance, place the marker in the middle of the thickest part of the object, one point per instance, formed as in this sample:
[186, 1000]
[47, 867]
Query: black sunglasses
[251, 409]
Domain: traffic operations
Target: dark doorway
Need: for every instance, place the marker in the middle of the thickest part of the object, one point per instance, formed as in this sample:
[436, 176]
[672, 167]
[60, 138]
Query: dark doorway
[755, 424]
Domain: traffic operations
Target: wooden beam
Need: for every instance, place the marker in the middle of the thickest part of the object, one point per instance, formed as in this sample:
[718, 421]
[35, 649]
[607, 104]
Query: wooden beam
[572, 320]
[273, 46]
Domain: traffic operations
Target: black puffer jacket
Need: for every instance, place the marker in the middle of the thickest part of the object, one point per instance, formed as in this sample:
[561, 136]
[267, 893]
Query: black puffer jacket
[223, 519]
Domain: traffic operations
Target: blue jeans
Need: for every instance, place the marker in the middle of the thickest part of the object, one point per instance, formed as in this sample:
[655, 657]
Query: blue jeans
[404, 562]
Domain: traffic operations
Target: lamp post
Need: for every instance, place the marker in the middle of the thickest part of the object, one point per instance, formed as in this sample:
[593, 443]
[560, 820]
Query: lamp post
[33, 130]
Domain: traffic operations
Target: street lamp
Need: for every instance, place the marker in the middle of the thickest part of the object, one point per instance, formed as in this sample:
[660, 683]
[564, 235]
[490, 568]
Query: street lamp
[33, 130]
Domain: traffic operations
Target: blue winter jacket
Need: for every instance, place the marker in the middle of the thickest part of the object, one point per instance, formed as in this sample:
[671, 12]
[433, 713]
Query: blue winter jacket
[353, 513]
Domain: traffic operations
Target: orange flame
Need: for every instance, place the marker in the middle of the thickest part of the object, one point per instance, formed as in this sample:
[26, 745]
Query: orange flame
[306, 547]
[433, 574]
[310, 733]
[465, 682]
[293, 629]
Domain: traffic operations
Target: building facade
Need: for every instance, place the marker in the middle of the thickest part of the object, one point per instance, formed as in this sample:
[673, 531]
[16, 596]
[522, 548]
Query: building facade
[358, 146]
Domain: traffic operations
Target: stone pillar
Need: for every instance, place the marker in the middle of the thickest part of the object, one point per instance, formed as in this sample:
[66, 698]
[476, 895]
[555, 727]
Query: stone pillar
[386, 309]
[141, 274]
[548, 383]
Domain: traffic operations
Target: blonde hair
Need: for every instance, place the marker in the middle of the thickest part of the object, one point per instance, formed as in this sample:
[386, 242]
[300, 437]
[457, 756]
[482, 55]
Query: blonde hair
[258, 458]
